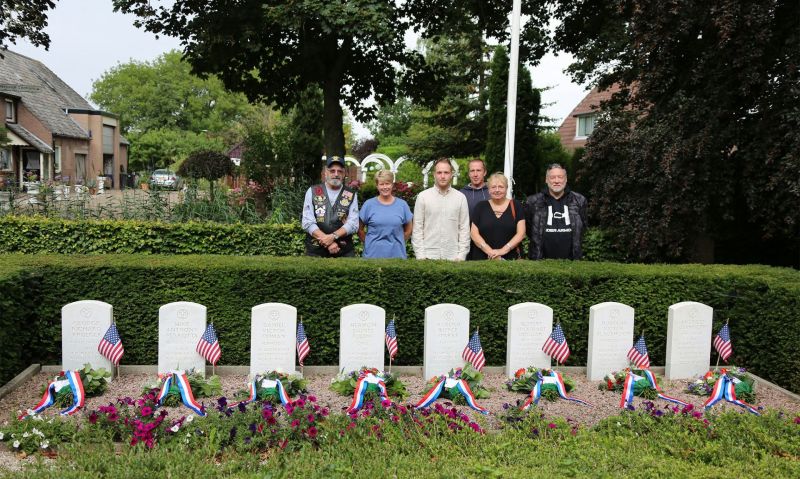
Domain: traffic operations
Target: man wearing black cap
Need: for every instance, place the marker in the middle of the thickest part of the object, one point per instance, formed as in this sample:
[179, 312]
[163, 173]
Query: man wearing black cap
[330, 214]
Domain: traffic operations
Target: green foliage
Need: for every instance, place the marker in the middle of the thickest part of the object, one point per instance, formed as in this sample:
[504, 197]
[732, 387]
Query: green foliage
[206, 165]
[293, 384]
[95, 383]
[37, 433]
[527, 164]
[722, 133]
[164, 94]
[162, 148]
[24, 20]
[391, 121]
[137, 285]
[4, 139]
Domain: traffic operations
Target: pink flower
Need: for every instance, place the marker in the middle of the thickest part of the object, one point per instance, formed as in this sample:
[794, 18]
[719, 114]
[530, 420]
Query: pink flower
[312, 432]
[386, 403]
[312, 398]
[552, 425]
[92, 417]
[310, 418]
[295, 423]
[146, 411]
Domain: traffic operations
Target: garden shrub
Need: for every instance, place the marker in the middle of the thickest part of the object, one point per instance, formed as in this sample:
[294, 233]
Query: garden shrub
[762, 303]
[33, 235]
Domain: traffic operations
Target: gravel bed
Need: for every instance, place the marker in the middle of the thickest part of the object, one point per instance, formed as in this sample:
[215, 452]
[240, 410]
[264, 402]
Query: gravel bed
[604, 404]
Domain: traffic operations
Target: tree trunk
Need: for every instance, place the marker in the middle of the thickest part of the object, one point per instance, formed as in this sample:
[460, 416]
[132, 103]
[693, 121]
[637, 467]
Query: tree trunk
[333, 130]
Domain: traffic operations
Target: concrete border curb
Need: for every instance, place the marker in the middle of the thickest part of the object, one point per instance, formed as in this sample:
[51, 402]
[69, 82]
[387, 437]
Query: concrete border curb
[20, 378]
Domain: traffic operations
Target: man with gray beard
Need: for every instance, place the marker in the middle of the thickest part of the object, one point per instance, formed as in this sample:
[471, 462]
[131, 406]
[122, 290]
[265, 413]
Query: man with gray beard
[556, 218]
[330, 214]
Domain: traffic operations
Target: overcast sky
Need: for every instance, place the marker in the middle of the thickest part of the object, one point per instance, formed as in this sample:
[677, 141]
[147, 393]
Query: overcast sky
[86, 42]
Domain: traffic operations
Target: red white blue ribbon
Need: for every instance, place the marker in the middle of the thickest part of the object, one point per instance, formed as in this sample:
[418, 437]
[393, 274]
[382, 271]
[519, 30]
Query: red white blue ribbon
[74, 382]
[362, 386]
[276, 384]
[185, 389]
[449, 383]
[725, 388]
[555, 379]
[630, 381]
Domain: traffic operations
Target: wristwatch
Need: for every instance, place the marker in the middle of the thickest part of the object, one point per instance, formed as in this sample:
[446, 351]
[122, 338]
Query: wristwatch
[335, 236]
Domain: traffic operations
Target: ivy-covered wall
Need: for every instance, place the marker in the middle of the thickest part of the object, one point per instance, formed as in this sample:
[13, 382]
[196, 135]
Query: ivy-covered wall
[762, 303]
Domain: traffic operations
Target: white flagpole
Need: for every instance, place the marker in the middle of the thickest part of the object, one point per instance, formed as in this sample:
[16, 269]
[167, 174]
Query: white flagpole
[511, 102]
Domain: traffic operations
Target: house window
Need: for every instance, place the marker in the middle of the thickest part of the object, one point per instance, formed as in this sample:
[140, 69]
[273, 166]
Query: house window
[5, 159]
[80, 166]
[108, 140]
[10, 116]
[57, 160]
[586, 125]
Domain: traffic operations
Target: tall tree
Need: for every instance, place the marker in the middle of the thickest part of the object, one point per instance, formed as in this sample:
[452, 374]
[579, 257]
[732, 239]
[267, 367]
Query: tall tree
[274, 50]
[526, 162]
[350, 49]
[24, 19]
[700, 147]
[165, 94]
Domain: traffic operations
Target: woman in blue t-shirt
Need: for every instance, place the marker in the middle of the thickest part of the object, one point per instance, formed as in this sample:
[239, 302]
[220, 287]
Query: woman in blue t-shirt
[387, 219]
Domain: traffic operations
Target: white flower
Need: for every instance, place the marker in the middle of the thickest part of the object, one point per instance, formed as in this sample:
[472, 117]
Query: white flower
[190, 418]
[2, 436]
[26, 434]
[16, 444]
[174, 428]
[37, 432]
[30, 412]
[39, 418]
[44, 444]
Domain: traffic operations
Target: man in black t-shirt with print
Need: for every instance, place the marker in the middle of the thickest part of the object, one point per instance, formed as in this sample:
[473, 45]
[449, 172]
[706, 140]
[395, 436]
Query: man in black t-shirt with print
[555, 218]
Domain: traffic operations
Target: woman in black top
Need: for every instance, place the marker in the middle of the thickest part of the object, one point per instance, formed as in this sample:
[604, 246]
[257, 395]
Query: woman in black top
[498, 224]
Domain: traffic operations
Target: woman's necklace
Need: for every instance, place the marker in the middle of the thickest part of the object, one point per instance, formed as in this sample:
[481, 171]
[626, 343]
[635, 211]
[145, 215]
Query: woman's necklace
[498, 212]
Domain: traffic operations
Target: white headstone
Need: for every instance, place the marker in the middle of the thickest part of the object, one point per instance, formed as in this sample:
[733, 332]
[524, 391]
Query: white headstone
[361, 337]
[273, 331]
[610, 338]
[446, 335]
[180, 327]
[688, 340]
[83, 325]
[529, 326]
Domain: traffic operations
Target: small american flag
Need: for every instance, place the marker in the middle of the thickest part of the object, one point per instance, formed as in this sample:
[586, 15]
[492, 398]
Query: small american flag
[722, 343]
[473, 352]
[391, 339]
[111, 345]
[302, 344]
[556, 345]
[208, 346]
[638, 354]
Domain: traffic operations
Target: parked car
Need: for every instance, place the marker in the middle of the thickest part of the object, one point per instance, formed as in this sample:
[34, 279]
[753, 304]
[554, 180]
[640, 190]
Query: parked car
[165, 179]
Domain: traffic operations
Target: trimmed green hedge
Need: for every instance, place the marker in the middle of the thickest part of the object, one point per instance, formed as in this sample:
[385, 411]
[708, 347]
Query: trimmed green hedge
[33, 235]
[762, 303]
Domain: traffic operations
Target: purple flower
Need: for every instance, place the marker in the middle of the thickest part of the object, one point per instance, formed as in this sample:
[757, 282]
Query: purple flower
[242, 407]
[252, 427]
[232, 433]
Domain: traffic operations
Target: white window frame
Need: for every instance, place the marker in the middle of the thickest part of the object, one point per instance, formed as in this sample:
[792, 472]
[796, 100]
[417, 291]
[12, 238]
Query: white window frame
[582, 118]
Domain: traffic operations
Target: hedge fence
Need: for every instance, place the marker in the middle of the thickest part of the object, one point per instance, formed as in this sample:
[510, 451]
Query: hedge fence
[35, 235]
[762, 303]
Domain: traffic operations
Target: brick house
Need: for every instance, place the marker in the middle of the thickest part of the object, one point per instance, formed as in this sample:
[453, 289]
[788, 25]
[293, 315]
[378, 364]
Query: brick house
[53, 131]
[579, 124]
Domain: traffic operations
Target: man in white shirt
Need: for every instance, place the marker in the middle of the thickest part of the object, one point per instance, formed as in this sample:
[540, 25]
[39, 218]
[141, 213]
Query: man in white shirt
[441, 219]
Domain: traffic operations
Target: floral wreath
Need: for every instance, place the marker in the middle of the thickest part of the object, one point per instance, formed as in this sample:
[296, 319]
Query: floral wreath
[525, 380]
[345, 383]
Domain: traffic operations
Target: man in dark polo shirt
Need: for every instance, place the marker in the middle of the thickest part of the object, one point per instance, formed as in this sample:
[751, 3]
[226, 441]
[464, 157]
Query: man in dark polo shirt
[556, 218]
[330, 214]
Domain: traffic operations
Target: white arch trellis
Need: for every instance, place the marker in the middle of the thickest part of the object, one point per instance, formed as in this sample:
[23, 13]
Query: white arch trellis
[393, 166]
